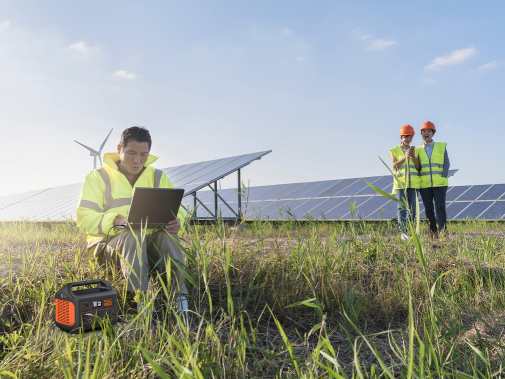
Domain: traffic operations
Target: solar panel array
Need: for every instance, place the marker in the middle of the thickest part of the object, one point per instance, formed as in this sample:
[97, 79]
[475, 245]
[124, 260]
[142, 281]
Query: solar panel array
[59, 203]
[350, 199]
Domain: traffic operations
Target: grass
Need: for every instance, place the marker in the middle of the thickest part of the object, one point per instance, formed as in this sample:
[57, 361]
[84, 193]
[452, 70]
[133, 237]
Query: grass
[287, 299]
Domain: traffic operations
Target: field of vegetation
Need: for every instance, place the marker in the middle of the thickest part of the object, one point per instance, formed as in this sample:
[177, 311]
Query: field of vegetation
[269, 300]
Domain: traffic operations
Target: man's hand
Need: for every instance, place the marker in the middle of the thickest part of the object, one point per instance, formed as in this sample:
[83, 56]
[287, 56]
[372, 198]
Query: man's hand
[173, 226]
[119, 221]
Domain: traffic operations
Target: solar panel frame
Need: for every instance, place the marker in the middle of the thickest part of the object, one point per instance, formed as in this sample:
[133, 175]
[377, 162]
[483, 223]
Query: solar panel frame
[493, 193]
[475, 209]
[301, 190]
[495, 212]
[317, 189]
[337, 187]
[474, 192]
[455, 208]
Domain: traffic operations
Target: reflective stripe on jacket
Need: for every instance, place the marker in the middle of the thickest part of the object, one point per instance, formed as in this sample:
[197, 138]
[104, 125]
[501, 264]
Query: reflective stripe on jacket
[411, 178]
[431, 169]
[106, 193]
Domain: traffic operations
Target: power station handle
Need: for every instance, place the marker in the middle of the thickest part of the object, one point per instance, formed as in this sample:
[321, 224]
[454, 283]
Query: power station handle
[98, 281]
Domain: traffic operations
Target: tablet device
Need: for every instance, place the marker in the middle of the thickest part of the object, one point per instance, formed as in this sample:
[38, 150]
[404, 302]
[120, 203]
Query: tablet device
[154, 207]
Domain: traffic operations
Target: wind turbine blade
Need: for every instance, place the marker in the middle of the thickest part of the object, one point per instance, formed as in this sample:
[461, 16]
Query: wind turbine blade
[101, 164]
[89, 148]
[103, 144]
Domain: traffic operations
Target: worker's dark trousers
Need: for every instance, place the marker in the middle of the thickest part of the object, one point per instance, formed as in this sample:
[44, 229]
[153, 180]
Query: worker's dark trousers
[436, 194]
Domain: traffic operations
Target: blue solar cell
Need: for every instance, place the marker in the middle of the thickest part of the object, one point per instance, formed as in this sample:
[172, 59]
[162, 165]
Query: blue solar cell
[285, 192]
[273, 193]
[292, 204]
[380, 182]
[300, 190]
[356, 187]
[494, 212]
[386, 212]
[277, 209]
[455, 208]
[253, 192]
[337, 187]
[475, 209]
[303, 211]
[494, 193]
[454, 192]
[324, 207]
[318, 189]
[256, 208]
[473, 193]
[344, 208]
[372, 205]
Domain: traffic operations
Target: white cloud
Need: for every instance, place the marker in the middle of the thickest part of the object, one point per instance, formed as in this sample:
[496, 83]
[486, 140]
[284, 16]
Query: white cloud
[490, 65]
[428, 82]
[287, 32]
[457, 56]
[300, 59]
[380, 44]
[80, 46]
[5, 24]
[124, 74]
[365, 37]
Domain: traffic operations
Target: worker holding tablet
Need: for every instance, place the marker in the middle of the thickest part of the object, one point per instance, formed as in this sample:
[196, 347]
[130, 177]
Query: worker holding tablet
[103, 207]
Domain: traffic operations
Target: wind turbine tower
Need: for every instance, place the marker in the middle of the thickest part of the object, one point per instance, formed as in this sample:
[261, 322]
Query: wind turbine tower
[95, 153]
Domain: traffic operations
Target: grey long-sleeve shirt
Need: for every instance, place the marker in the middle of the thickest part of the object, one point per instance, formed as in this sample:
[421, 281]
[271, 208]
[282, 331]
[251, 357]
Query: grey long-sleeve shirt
[447, 163]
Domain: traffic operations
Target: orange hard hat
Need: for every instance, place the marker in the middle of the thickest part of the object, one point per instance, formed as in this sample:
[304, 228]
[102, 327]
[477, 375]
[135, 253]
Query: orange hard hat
[428, 125]
[407, 130]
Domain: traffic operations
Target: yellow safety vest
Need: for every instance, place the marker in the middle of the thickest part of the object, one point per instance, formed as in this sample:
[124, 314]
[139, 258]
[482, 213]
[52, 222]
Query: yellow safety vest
[106, 193]
[412, 179]
[431, 169]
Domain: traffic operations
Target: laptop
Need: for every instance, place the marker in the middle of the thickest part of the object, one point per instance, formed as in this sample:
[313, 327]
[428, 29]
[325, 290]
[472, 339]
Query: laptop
[154, 207]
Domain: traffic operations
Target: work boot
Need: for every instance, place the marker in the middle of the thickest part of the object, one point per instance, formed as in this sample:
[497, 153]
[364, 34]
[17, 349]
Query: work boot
[434, 235]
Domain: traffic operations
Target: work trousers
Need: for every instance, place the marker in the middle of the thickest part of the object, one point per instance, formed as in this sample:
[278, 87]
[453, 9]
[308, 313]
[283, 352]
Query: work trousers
[154, 252]
[436, 194]
[403, 212]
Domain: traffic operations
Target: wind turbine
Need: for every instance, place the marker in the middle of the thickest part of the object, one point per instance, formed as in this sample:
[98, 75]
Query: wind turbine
[95, 153]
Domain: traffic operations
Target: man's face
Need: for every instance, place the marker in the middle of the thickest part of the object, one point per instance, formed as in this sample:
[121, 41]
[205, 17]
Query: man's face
[133, 156]
[427, 134]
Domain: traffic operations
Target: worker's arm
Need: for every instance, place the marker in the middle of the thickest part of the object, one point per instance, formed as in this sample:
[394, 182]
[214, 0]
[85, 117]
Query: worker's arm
[447, 165]
[396, 163]
[415, 159]
[91, 217]
[166, 183]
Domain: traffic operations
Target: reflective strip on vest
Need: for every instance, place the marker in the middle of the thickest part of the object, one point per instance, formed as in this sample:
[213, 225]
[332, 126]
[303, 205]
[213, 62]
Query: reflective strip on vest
[90, 205]
[157, 177]
[108, 188]
[432, 168]
[100, 231]
[116, 203]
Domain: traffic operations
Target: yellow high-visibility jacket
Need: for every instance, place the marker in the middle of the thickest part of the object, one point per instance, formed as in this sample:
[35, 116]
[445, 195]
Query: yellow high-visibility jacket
[402, 177]
[432, 169]
[106, 193]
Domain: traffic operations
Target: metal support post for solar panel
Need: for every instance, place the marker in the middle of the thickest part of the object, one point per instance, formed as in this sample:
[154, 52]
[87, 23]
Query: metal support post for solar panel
[239, 196]
[203, 205]
[224, 202]
[215, 198]
[194, 205]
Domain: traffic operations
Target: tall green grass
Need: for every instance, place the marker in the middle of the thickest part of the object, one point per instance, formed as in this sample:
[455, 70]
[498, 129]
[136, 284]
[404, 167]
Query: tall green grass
[290, 299]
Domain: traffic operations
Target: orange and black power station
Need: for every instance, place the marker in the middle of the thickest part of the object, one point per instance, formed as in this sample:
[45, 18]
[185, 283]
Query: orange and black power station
[86, 309]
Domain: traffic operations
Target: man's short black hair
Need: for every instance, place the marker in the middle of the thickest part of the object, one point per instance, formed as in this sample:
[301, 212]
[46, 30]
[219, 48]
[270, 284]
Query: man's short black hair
[135, 133]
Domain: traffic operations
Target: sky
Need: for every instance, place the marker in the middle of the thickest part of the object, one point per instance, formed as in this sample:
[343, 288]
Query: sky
[325, 85]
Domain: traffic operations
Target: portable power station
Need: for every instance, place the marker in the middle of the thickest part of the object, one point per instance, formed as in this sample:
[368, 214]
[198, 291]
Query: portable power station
[85, 309]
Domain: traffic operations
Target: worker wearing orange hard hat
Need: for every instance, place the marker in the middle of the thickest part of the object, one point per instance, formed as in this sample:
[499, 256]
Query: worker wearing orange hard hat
[405, 162]
[433, 176]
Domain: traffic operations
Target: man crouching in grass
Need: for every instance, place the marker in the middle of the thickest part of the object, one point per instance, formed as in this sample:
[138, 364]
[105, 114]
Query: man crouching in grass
[104, 204]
